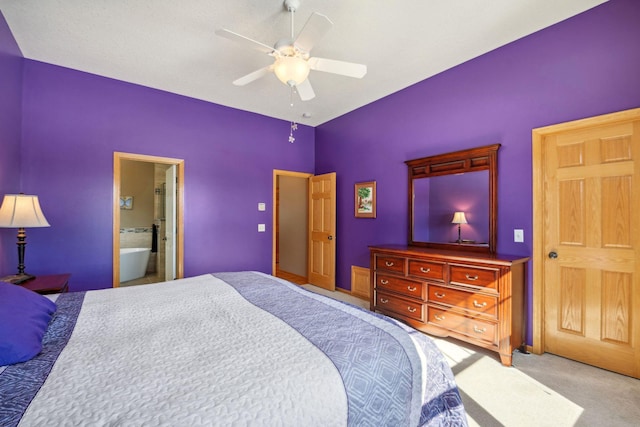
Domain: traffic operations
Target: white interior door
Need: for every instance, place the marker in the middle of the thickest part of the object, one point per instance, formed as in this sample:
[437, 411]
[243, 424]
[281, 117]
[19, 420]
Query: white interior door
[170, 224]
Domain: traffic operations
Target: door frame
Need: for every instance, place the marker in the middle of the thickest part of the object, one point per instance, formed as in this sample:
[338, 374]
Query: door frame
[276, 174]
[179, 163]
[539, 244]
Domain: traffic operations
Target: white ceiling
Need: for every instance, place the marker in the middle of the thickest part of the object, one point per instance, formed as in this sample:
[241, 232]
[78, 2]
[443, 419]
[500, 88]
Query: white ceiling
[171, 45]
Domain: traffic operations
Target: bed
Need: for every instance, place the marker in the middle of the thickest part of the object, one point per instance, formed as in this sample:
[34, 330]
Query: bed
[236, 348]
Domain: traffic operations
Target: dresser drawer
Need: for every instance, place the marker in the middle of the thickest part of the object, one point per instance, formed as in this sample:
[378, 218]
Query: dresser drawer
[474, 276]
[390, 263]
[469, 301]
[474, 297]
[473, 328]
[406, 308]
[426, 269]
[401, 286]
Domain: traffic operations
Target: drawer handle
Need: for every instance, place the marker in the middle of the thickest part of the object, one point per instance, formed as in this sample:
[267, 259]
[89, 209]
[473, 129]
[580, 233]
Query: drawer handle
[412, 288]
[472, 277]
[425, 270]
[383, 281]
[384, 301]
[388, 263]
[441, 318]
[478, 305]
[479, 330]
[439, 295]
[411, 309]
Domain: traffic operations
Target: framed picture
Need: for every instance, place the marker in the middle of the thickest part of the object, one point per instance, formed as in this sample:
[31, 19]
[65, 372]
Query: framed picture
[365, 199]
[126, 202]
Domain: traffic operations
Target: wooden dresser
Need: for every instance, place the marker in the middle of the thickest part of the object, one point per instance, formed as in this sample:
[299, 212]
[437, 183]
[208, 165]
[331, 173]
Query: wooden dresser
[474, 297]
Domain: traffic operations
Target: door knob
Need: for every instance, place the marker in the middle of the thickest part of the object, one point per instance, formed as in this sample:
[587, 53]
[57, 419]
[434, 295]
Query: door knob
[330, 237]
[553, 255]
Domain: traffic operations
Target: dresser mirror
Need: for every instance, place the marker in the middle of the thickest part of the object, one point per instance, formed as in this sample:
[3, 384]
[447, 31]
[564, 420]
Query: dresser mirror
[453, 200]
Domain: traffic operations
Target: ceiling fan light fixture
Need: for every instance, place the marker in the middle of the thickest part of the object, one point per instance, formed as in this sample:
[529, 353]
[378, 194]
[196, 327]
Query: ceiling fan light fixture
[291, 70]
[292, 60]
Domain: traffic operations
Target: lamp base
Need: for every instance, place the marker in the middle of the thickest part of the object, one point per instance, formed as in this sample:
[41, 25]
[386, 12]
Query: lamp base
[17, 279]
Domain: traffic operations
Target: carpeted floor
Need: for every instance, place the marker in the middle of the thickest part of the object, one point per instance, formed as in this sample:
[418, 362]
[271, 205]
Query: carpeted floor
[537, 391]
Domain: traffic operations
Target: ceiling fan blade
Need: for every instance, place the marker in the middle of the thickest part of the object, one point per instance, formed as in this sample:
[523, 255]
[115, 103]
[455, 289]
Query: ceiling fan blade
[253, 76]
[314, 29]
[246, 41]
[305, 91]
[348, 69]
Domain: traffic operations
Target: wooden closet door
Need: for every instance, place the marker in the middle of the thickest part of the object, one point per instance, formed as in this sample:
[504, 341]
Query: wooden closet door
[591, 278]
[322, 231]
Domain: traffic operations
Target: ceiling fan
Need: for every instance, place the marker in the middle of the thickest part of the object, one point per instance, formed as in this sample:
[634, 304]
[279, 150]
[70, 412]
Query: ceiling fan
[292, 55]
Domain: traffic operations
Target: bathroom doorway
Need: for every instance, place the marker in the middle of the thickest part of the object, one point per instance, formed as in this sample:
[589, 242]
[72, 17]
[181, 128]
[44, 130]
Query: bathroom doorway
[147, 219]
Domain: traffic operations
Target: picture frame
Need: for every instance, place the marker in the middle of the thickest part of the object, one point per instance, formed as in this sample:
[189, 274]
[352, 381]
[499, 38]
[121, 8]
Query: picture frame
[365, 199]
[126, 202]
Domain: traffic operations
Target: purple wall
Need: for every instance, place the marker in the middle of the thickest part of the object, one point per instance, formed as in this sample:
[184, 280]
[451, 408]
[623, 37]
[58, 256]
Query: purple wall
[585, 66]
[74, 121]
[10, 121]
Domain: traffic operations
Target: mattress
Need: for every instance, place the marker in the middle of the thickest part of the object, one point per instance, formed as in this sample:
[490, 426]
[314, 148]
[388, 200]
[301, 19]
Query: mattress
[236, 348]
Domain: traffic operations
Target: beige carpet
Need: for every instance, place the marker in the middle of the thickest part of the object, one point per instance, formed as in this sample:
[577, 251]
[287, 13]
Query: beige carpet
[537, 391]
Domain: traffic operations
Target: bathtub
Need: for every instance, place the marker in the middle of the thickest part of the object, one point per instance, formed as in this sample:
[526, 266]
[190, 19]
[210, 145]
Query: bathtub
[133, 263]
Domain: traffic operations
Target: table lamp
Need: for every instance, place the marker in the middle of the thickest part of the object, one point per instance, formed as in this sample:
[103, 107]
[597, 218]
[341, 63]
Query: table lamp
[459, 218]
[21, 211]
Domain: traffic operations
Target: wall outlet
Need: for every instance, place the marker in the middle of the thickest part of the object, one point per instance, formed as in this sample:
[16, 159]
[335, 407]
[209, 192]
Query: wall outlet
[262, 207]
[518, 235]
[261, 228]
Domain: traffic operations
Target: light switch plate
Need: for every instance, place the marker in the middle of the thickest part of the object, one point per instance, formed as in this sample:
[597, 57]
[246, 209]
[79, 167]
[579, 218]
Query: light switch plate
[261, 228]
[262, 207]
[518, 235]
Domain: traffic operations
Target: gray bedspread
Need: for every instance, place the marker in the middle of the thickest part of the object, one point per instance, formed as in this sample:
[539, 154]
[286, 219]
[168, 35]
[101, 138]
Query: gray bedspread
[336, 364]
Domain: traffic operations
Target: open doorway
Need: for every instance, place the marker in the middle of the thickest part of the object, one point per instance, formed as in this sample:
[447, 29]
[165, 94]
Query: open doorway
[147, 219]
[304, 228]
[290, 225]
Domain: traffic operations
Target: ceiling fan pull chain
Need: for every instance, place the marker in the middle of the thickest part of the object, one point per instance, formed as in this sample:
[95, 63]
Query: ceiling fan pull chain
[294, 126]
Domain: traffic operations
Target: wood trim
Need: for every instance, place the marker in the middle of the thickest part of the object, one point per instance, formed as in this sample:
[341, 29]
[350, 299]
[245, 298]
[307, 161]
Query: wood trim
[538, 244]
[538, 136]
[179, 163]
[274, 206]
[115, 234]
[469, 160]
[360, 282]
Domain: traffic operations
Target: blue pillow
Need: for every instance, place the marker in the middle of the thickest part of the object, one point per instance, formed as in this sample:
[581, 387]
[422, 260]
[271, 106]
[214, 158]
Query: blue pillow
[24, 317]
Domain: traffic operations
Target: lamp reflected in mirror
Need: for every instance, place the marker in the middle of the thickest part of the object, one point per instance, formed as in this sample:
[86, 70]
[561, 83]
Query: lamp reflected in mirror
[459, 218]
[461, 181]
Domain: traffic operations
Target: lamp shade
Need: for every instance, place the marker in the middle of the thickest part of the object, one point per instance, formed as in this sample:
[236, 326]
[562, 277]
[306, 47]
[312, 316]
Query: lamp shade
[459, 218]
[291, 70]
[21, 211]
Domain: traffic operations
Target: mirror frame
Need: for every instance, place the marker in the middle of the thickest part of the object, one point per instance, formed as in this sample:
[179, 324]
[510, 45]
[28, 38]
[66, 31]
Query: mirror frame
[470, 160]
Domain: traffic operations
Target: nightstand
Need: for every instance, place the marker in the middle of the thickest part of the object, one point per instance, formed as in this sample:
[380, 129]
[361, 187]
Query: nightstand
[50, 284]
